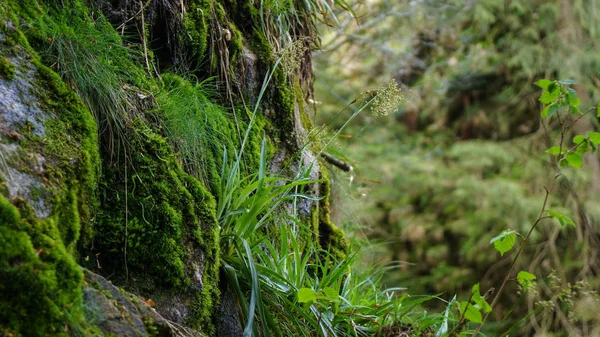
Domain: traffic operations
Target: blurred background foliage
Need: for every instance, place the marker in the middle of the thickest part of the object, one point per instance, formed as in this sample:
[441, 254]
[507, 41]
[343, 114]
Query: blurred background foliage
[462, 159]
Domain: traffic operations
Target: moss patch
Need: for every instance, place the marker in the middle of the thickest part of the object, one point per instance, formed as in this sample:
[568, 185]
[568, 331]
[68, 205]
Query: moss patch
[155, 220]
[7, 69]
[40, 281]
[331, 237]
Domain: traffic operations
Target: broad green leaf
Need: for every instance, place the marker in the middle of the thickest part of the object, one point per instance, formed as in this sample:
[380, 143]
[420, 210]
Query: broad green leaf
[563, 219]
[583, 148]
[479, 300]
[504, 242]
[553, 150]
[549, 97]
[330, 294]
[594, 137]
[573, 99]
[525, 278]
[574, 159]
[471, 313]
[578, 139]
[567, 82]
[543, 83]
[307, 295]
[549, 110]
[575, 110]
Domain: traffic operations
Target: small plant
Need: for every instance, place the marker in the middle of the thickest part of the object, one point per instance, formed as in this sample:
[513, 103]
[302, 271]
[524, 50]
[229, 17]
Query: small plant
[562, 105]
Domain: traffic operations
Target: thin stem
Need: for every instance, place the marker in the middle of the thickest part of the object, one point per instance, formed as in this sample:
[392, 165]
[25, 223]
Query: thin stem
[519, 251]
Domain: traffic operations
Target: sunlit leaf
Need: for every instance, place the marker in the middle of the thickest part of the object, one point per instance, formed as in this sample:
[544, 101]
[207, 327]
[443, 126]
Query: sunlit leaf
[562, 219]
[471, 313]
[574, 159]
[504, 241]
[549, 97]
[307, 295]
[578, 139]
[479, 300]
[553, 150]
[525, 278]
[594, 137]
[543, 83]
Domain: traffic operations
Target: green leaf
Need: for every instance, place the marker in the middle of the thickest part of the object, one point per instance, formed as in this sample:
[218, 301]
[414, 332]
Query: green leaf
[330, 294]
[598, 110]
[504, 242]
[574, 159]
[479, 300]
[578, 139]
[525, 278]
[563, 219]
[307, 295]
[594, 137]
[583, 148]
[573, 99]
[553, 150]
[549, 110]
[549, 97]
[567, 82]
[543, 83]
[471, 313]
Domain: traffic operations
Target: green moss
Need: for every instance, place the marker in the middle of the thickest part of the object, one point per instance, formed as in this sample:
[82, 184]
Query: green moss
[40, 287]
[157, 218]
[71, 144]
[196, 22]
[7, 69]
[151, 328]
[37, 264]
[331, 237]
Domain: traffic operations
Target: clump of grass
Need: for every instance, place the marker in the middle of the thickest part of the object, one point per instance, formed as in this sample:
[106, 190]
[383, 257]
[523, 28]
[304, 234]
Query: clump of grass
[199, 129]
[90, 56]
[284, 20]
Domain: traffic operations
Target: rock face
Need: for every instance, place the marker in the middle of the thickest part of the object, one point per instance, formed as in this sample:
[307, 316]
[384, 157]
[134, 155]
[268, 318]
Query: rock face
[119, 313]
[93, 176]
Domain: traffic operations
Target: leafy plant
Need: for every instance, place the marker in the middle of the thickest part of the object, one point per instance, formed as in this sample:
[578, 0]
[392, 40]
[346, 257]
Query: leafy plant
[561, 102]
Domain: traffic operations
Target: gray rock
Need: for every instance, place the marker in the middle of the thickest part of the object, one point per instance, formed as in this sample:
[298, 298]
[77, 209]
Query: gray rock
[117, 312]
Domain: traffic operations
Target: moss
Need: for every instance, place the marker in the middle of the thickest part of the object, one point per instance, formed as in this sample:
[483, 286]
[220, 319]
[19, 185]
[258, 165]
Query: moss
[37, 256]
[40, 289]
[196, 23]
[71, 146]
[7, 69]
[158, 218]
[151, 328]
[331, 237]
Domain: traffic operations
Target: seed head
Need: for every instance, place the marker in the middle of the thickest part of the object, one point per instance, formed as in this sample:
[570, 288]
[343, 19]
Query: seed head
[387, 99]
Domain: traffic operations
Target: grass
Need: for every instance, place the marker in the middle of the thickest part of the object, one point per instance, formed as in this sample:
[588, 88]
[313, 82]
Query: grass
[199, 129]
[283, 21]
[90, 56]
[270, 257]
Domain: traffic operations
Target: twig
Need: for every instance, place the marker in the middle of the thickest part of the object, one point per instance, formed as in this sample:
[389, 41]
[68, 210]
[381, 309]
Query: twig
[337, 162]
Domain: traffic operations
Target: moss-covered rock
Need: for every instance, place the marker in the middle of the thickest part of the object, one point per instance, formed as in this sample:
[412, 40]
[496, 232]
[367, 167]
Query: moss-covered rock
[49, 168]
[110, 164]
